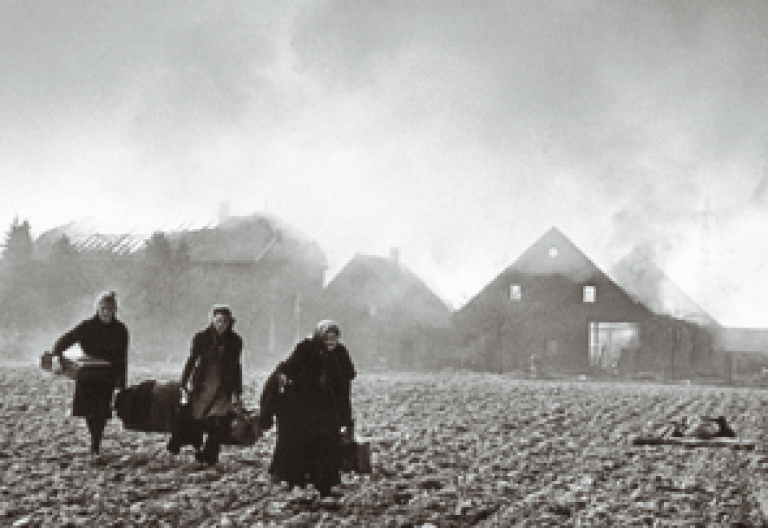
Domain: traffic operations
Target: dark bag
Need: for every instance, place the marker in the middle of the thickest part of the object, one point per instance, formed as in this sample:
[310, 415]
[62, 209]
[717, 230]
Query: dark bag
[243, 428]
[355, 456]
[151, 407]
[186, 430]
[46, 361]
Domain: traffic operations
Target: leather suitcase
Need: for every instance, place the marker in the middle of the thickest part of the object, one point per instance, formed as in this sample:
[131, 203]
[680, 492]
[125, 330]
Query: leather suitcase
[355, 456]
[363, 458]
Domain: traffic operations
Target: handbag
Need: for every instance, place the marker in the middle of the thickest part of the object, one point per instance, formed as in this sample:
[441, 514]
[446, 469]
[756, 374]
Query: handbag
[243, 428]
[355, 456]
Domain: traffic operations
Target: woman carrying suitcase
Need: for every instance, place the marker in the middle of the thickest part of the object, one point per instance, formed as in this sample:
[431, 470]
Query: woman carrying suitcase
[101, 336]
[310, 395]
[216, 376]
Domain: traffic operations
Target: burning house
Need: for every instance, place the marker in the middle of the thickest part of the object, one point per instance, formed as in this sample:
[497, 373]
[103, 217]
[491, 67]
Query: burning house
[680, 336]
[270, 275]
[388, 316]
[555, 303]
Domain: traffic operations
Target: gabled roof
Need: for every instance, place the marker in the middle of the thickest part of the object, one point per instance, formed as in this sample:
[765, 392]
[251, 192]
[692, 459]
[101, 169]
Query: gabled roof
[646, 282]
[557, 261]
[554, 254]
[369, 280]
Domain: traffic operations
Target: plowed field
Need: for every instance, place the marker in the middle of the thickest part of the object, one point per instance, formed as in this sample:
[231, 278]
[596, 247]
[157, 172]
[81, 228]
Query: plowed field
[449, 450]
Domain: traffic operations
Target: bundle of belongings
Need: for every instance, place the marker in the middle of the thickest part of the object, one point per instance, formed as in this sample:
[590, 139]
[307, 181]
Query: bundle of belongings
[157, 407]
[698, 431]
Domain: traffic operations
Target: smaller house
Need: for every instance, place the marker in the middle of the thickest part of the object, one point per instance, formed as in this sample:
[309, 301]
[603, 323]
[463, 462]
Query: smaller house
[388, 316]
[681, 329]
[745, 350]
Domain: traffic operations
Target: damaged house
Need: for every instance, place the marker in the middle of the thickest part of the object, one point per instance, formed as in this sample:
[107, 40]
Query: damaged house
[681, 336]
[271, 275]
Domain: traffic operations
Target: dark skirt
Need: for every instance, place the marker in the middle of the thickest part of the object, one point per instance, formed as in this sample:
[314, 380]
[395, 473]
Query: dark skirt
[93, 399]
[307, 446]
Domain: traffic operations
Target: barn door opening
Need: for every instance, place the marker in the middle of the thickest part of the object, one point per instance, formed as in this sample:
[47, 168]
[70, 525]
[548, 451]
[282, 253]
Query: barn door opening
[612, 346]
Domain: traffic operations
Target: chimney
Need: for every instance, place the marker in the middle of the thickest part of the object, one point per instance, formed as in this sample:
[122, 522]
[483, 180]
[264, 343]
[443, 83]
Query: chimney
[223, 212]
[394, 256]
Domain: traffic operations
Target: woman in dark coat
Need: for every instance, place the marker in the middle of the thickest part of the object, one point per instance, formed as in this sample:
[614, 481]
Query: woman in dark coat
[104, 337]
[310, 395]
[216, 376]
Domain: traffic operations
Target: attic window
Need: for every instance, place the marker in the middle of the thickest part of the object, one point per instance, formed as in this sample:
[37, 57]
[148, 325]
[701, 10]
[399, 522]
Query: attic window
[515, 292]
[553, 252]
[590, 294]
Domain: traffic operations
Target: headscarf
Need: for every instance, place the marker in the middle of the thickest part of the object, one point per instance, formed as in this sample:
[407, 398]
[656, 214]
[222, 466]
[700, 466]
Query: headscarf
[326, 326]
[222, 309]
[106, 297]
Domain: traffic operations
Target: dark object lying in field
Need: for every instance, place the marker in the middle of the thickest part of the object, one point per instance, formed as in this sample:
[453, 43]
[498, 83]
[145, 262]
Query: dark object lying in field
[733, 443]
[698, 431]
[702, 428]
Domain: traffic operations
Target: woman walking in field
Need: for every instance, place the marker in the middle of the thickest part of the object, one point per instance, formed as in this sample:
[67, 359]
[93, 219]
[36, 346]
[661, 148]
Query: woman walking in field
[101, 336]
[216, 376]
[310, 395]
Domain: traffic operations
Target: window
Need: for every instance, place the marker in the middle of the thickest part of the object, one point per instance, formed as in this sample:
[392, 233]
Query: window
[515, 293]
[553, 252]
[590, 294]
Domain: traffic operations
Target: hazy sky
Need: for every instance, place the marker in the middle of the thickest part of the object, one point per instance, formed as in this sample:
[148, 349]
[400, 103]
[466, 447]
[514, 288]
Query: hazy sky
[457, 131]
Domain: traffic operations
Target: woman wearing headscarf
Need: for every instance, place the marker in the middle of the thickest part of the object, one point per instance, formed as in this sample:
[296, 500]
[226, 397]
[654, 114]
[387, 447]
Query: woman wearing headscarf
[216, 377]
[310, 395]
[101, 336]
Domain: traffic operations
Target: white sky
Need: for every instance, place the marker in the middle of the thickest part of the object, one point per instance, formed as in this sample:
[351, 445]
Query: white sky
[456, 131]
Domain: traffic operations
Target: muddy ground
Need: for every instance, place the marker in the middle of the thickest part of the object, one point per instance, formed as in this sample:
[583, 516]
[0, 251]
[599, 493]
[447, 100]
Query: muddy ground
[453, 449]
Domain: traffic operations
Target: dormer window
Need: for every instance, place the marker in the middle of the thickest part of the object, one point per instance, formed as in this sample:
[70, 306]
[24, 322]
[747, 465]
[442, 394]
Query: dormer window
[515, 292]
[590, 294]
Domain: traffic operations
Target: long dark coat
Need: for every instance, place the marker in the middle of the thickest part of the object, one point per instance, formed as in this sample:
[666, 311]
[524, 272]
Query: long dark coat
[208, 347]
[310, 412]
[104, 341]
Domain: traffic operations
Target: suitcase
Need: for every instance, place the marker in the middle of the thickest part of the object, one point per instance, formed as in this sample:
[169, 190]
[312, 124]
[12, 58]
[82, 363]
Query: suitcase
[355, 456]
[86, 368]
[78, 368]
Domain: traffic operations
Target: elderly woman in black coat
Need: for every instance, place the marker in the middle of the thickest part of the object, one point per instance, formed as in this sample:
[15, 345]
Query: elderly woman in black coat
[309, 393]
[101, 336]
[216, 376]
